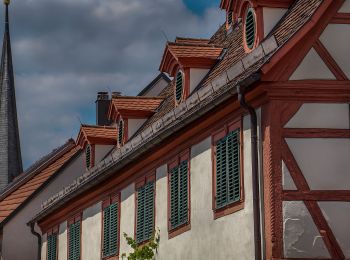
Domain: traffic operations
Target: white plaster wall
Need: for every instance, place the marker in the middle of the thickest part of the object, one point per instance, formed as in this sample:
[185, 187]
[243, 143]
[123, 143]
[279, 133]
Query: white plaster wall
[208, 238]
[337, 215]
[324, 162]
[345, 7]
[134, 125]
[19, 243]
[301, 237]
[336, 38]
[127, 216]
[43, 248]
[334, 116]
[312, 67]
[101, 151]
[287, 181]
[196, 75]
[271, 18]
[156, 89]
[62, 241]
[91, 232]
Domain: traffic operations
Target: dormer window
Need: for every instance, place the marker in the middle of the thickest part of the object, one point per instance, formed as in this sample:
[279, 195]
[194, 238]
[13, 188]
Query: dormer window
[179, 86]
[229, 19]
[250, 29]
[88, 156]
[121, 132]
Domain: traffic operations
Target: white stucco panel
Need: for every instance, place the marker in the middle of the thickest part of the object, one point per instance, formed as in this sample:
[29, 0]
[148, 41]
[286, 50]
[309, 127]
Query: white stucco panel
[62, 241]
[91, 232]
[324, 162]
[335, 116]
[134, 125]
[271, 18]
[196, 75]
[127, 216]
[287, 181]
[44, 247]
[345, 7]
[301, 238]
[337, 215]
[336, 38]
[312, 67]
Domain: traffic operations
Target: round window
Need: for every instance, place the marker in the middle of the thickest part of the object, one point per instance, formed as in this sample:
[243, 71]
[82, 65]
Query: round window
[250, 28]
[179, 86]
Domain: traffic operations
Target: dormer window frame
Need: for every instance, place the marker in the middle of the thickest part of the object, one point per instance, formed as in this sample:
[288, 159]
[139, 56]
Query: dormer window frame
[182, 97]
[250, 46]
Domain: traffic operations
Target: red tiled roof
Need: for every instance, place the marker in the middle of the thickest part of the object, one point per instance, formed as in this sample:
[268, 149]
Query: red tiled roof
[97, 135]
[189, 54]
[33, 181]
[191, 40]
[134, 106]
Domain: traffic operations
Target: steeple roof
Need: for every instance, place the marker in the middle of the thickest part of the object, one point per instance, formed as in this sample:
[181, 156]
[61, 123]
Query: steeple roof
[10, 151]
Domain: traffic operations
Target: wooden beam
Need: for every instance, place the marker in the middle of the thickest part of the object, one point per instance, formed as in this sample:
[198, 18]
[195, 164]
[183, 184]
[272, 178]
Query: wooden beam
[341, 18]
[315, 133]
[317, 195]
[329, 61]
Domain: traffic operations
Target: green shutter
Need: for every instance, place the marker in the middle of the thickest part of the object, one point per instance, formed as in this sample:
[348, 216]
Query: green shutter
[145, 212]
[52, 247]
[88, 156]
[110, 230]
[250, 28]
[120, 132]
[179, 86]
[74, 241]
[228, 170]
[179, 195]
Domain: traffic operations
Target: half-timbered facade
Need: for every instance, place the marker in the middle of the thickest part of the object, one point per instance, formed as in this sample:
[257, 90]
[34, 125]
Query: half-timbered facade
[243, 155]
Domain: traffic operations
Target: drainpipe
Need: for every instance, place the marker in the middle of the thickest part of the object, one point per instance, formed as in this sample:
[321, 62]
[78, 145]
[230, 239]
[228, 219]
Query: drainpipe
[255, 170]
[32, 229]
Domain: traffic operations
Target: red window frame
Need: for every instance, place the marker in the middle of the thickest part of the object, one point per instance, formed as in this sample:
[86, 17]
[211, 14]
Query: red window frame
[185, 155]
[139, 183]
[219, 134]
[112, 198]
[49, 232]
[70, 221]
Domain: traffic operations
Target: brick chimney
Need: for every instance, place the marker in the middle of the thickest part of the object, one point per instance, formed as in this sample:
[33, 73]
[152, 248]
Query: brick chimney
[102, 106]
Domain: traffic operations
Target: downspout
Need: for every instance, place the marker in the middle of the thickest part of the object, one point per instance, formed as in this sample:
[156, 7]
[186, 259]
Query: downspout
[32, 229]
[255, 170]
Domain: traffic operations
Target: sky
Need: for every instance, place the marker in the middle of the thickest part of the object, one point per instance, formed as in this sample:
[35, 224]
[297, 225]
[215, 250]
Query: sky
[66, 51]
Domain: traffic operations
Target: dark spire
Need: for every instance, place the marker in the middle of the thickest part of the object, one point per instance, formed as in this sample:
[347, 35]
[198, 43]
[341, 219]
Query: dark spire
[10, 151]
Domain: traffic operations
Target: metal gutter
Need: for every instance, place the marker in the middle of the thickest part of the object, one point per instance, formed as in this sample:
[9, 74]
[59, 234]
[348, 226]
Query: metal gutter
[32, 229]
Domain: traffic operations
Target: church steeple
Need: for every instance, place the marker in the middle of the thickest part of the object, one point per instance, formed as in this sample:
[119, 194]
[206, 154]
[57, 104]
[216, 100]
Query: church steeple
[10, 151]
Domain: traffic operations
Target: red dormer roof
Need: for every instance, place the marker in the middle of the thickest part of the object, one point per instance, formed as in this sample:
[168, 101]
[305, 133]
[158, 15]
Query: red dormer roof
[189, 53]
[97, 135]
[134, 107]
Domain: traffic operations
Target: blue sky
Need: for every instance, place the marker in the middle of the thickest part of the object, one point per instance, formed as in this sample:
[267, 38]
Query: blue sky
[70, 50]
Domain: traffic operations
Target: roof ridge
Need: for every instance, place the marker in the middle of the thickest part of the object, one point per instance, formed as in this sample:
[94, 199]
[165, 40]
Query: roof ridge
[137, 97]
[98, 126]
[204, 45]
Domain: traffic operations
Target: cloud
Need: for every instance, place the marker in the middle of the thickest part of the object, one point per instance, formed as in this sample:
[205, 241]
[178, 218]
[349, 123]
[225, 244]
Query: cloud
[65, 51]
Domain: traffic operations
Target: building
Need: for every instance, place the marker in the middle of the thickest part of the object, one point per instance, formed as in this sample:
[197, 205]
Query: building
[243, 155]
[10, 150]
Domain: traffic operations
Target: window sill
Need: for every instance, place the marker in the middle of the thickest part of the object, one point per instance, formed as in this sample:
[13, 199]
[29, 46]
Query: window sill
[111, 257]
[179, 230]
[230, 209]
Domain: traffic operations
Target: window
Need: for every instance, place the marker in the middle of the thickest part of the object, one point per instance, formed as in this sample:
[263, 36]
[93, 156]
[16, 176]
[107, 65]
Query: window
[179, 195]
[88, 156]
[74, 238]
[52, 245]
[250, 28]
[145, 209]
[121, 132]
[111, 226]
[227, 171]
[229, 19]
[179, 87]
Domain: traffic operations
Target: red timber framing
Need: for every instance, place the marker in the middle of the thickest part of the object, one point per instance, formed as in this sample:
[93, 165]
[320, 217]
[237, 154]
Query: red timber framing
[183, 156]
[110, 199]
[275, 115]
[225, 130]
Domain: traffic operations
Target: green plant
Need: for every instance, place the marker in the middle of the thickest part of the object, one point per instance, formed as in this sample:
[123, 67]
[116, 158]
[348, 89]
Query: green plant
[144, 251]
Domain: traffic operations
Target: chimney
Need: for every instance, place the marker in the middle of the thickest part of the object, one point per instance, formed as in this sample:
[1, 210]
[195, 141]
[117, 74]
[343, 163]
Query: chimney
[102, 106]
[116, 94]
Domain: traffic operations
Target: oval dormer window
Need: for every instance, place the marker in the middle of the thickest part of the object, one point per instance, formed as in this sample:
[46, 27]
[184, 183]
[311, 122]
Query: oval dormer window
[120, 132]
[88, 156]
[250, 28]
[179, 87]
